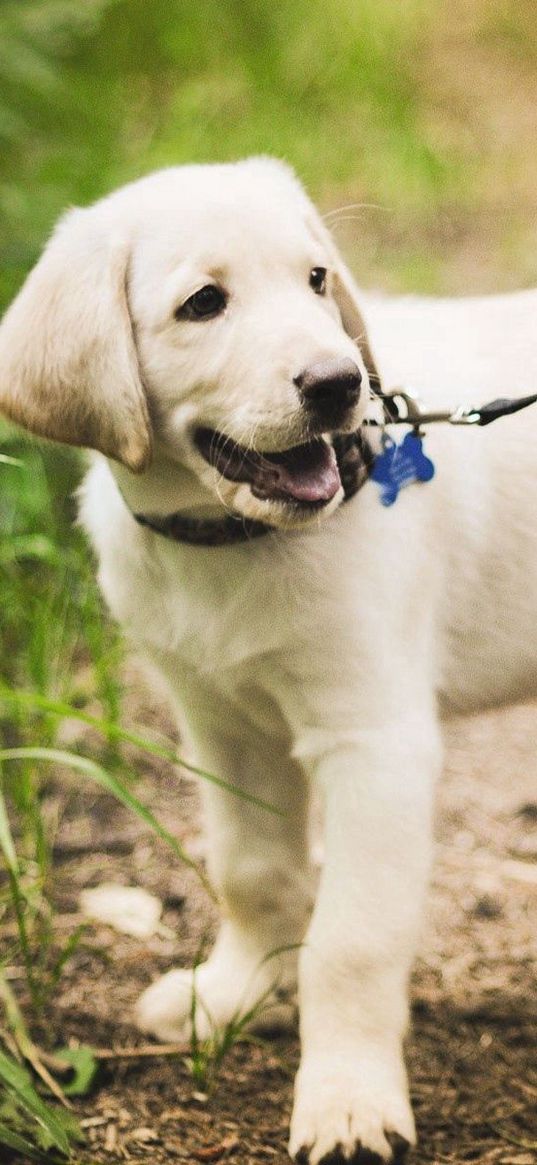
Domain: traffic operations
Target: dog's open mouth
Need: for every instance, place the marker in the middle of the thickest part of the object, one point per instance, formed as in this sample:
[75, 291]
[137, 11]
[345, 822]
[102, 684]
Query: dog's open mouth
[305, 475]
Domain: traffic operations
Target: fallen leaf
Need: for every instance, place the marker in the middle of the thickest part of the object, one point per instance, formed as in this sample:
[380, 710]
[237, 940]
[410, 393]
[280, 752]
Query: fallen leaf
[215, 1152]
[84, 1067]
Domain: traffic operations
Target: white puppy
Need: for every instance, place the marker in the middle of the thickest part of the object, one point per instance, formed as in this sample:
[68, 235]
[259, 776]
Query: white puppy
[200, 330]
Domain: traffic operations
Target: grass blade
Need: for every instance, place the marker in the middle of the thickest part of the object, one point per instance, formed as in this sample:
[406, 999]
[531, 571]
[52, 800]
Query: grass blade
[23, 1042]
[7, 844]
[18, 1083]
[70, 947]
[6, 460]
[20, 1144]
[114, 731]
[113, 785]
[7, 847]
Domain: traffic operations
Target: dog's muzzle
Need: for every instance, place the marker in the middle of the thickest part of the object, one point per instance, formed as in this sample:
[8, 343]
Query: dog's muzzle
[307, 475]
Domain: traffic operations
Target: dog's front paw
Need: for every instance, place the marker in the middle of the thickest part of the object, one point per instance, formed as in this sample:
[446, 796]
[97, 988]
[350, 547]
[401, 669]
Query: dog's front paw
[350, 1110]
[166, 1008]
[210, 998]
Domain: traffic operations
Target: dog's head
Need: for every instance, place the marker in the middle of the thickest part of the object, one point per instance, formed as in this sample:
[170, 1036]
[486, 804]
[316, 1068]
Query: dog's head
[204, 311]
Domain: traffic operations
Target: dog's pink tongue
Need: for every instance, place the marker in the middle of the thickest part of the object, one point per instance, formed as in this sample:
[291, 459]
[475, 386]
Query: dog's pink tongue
[308, 473]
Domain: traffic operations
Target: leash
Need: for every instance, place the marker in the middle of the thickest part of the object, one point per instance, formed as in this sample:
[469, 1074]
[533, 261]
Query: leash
[398, 465]
[414, 415]
[393, 468]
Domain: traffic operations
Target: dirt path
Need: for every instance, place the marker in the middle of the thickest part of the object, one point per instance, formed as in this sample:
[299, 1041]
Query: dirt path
[472, 1051]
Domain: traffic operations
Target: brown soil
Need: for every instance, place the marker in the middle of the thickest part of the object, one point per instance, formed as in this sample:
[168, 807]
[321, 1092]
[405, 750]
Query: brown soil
[472, 1048]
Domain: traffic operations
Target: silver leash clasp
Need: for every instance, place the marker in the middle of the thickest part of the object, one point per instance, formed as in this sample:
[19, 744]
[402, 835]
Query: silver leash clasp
[416, 415]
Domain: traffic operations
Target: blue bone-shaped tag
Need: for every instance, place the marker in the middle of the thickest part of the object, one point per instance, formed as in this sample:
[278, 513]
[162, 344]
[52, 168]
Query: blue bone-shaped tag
[400, 465]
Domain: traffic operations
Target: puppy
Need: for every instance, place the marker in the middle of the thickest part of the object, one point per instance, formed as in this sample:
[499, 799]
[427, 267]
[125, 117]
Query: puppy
[200, 331]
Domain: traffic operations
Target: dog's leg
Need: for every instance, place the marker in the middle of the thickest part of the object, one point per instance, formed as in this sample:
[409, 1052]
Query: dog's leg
[351, 1093]
[259, 863]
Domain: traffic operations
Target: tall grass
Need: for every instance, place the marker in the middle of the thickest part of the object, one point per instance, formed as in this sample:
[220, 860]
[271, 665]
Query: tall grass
[52, 633]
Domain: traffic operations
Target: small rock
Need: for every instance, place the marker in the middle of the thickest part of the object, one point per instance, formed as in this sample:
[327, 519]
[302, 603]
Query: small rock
[528, 812]
[111, 1139]
[520, 872]
[525, 847]
[486, 906]
[128, 909]
[144, 1135]
[518, 1159]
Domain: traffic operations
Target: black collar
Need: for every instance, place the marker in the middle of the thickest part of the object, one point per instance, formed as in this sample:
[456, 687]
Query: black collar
[354, 456]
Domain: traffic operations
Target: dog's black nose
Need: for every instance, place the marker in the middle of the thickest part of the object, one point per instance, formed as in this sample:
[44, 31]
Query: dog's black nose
[330, 386]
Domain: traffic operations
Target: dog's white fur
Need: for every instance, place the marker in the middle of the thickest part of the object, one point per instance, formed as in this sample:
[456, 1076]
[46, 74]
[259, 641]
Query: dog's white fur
[317, 656]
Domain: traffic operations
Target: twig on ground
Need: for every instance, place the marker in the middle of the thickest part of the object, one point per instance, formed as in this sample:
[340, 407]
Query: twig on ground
[142, 1052]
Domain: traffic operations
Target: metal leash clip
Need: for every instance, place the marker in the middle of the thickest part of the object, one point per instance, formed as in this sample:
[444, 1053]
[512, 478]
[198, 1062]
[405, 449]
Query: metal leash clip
[415, 415]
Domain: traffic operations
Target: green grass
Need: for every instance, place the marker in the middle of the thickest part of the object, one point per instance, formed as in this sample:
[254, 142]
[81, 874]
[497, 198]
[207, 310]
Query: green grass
[206, 1055]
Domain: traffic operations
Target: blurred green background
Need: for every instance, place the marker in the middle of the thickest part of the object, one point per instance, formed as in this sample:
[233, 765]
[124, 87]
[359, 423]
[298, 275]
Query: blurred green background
[413, 124]
[424, 111]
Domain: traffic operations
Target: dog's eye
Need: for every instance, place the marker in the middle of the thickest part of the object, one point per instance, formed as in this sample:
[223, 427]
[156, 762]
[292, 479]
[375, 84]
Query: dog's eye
[206, 303]
[318, 280]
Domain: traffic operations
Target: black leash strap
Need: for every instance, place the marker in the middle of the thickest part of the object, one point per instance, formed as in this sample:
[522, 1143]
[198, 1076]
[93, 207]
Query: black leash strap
[503, 407]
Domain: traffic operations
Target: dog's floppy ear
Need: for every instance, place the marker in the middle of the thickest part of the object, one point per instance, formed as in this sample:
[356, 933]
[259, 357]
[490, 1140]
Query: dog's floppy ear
[345, 294]
[68, 363]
